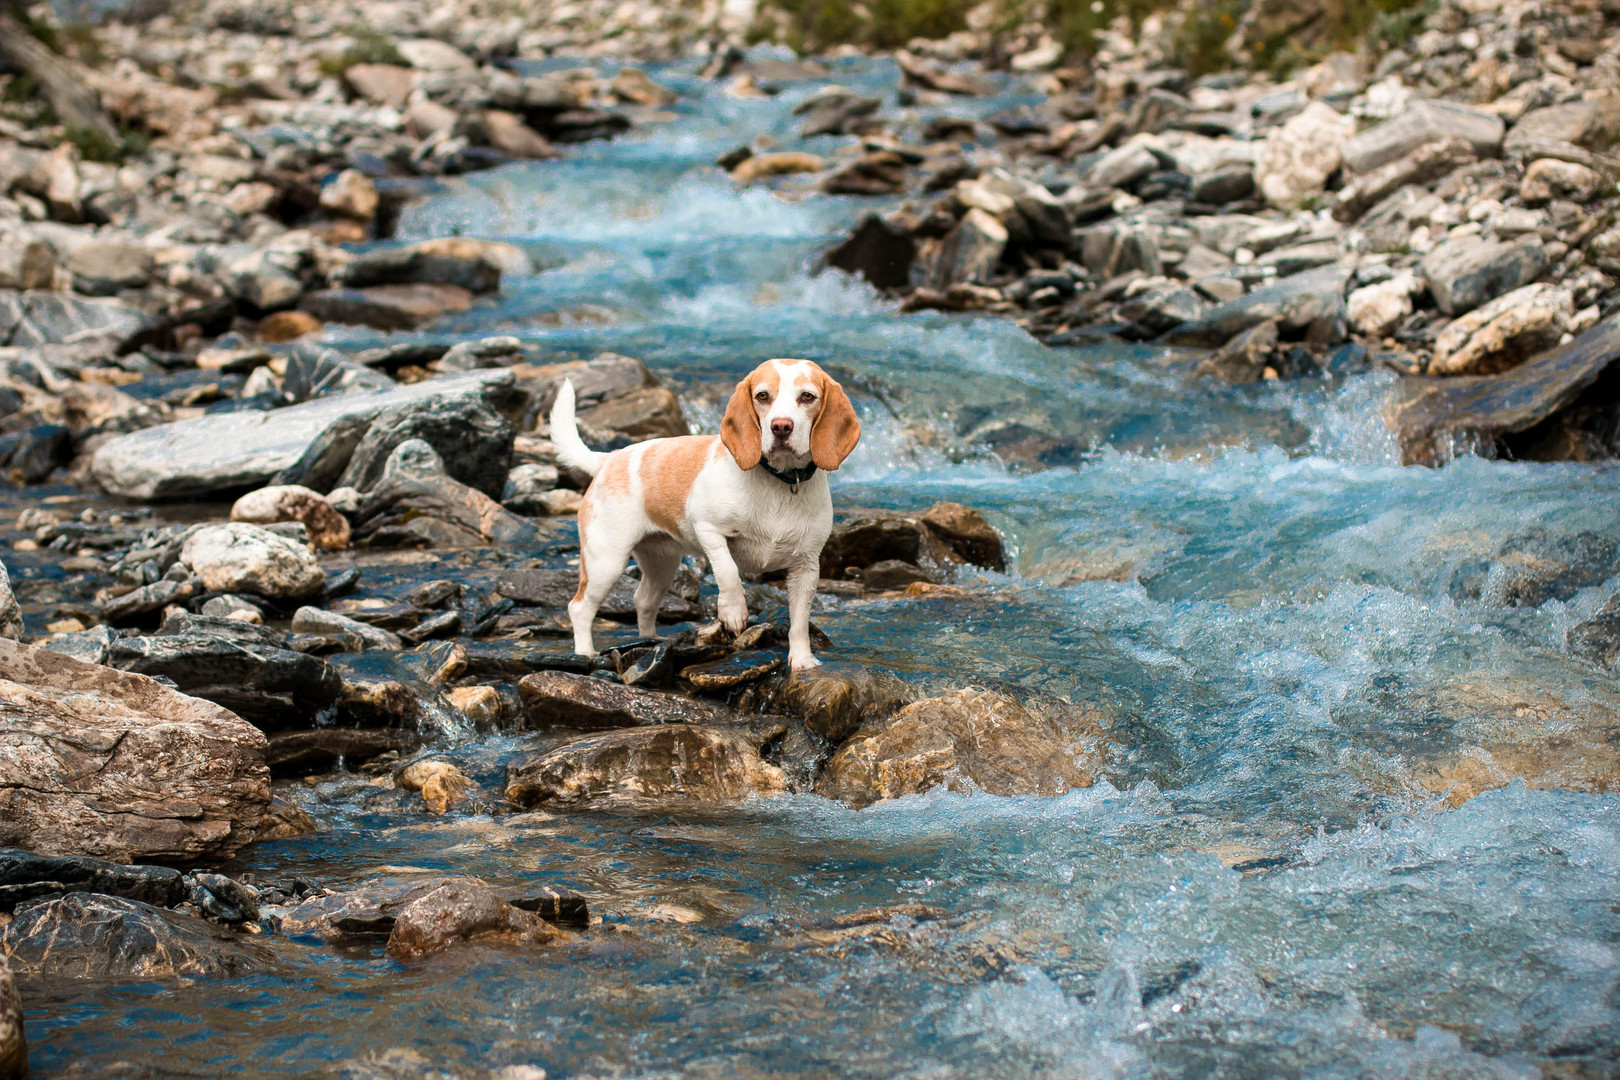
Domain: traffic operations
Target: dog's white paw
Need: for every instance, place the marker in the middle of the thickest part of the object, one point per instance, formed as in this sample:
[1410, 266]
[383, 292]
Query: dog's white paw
[803, 663]
[734, 616]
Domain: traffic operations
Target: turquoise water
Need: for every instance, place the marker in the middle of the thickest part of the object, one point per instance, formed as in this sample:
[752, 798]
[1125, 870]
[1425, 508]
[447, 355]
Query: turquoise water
[1269, 610]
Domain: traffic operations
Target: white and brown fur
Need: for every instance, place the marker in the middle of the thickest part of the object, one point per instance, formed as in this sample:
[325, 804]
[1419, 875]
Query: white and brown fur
[706, 494]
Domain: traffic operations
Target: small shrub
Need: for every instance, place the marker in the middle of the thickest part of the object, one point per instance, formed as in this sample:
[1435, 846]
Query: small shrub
[367, 47]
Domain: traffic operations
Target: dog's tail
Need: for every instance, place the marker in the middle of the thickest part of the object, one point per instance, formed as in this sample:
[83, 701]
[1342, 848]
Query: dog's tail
[571, 449]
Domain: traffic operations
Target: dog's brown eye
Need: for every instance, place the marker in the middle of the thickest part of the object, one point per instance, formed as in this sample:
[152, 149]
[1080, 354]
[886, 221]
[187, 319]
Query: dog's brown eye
[807, 397]
[763, 396]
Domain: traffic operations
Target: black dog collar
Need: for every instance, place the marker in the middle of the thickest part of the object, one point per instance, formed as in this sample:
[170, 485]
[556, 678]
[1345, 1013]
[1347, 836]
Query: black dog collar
[791, 477]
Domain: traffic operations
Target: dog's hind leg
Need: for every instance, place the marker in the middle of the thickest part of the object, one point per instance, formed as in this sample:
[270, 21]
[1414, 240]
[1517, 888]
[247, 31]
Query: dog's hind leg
[602, 559]
[659, 559]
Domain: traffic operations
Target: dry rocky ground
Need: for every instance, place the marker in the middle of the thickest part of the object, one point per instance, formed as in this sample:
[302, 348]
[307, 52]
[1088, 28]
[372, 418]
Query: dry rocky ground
[1444, 208]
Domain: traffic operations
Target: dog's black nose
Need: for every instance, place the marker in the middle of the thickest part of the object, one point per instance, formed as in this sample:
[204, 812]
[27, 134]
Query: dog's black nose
[782, 427]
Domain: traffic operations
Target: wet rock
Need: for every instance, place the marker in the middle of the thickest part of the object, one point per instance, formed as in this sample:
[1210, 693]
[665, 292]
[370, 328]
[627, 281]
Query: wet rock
[418, 503]
[463, 913]
[1464, 272]
[560, 907]
[301, 753]
[1511, 411]
[1546, 180]
[1301, 155]
[147, 599]
[475, 269]
[893, 574]
[967, 740]
[180, 623]
[387, 307]
[328, 529]
[561, 699]
[1422, 123]
[1504, 333]
[877, 172]
[86, 936]
[313, 371]
[880, 252]
[110, 764]
[634, 85]
[367, 912]
[1158, 310]
[11, 620]
[971, 251]
[441, 784]
[482, 705]
[1422, 166]
[472, 439]
[244, 450]
[1311, 303]
[555, 588]
[351, 194]
[312, 620]
[783, 163]
[30, 456]
[834, 111]
[966, 532]
[732, 671]
[283, 821]
[269, 686]
[1541, 566]
[13, 1042]
[26, 877]
[837, 699]
[444, 624]
[239, 557]
[644, 768]
[1597, 639]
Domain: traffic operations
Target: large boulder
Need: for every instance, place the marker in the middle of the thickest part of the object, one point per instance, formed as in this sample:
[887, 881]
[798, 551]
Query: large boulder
[88, 936]
[1516, 411]
[645, 768]
[968, 740]
[11, 623]
[1301, 155]
[106, 763]
[233, 451]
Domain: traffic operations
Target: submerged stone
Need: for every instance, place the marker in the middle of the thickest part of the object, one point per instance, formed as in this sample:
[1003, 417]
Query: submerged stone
[645, 768]
[463, 913]
[89, 936]
[561, 699]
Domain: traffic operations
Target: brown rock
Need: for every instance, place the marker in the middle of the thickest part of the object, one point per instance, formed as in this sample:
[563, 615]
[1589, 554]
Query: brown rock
[966, 532]
[13, 1043]
[87, 935]
[785, 163]
[328, 529]
[970, 739]
[481, 704]
[442, 784]
[1547, 179]
[560, 699]
[634, 85]
[463, 912]
[510, 135]
[387, 307]
[351, 194]
[426, 118]
[283, 821]
[878, 172]
[380, 84]
[300, 753]
[645, 768]
[836, 699]
[650, 413]
[283, 326]
[101, 762]
[1504, 333]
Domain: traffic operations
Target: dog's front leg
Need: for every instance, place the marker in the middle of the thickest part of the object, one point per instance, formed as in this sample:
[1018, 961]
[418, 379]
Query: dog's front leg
[803, 577]
[733, 604]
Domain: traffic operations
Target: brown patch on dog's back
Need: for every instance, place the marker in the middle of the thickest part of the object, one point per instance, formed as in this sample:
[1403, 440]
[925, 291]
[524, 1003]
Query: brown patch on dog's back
[668, 469]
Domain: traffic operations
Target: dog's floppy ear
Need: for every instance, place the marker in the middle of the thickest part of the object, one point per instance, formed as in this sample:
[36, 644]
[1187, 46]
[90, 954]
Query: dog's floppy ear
[837, 428]
[739, 429]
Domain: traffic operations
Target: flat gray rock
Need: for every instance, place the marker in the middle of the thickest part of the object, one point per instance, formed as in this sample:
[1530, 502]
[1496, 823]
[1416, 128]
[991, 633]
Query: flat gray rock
[242, 450]
[1467, 271]
[1422, 123]
[1313, 301]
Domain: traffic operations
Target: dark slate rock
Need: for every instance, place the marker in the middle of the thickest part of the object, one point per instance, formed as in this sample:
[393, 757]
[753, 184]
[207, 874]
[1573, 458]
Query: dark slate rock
[84, 935]
[560, 699]
[880, 252]
[561, 907]
[301, 753]
[1312, 302]
[268, 686]
[25, 876]
[1468, 271]
[314, 371]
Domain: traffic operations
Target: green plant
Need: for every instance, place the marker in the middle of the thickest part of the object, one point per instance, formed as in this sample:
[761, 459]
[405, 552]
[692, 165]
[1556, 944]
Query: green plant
[1200, 40]
[94, 145]
[366, 47]
[19, 90]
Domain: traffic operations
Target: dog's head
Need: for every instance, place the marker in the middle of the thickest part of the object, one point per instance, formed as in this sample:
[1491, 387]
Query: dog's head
[787, 411]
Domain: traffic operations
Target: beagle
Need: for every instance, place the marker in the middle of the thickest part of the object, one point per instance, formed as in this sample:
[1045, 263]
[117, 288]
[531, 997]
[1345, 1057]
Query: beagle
[754, 499]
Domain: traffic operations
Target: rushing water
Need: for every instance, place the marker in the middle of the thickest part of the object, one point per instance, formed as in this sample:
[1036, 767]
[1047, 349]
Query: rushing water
[1261, 600]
